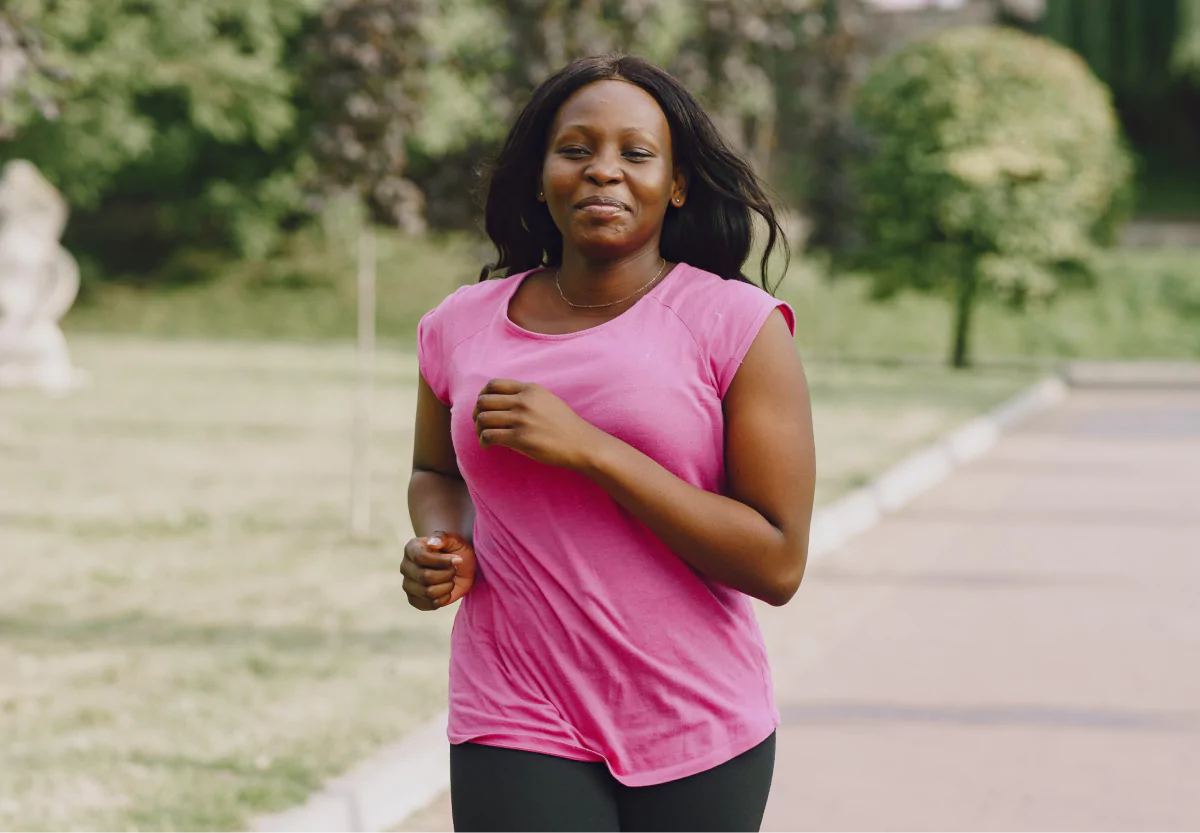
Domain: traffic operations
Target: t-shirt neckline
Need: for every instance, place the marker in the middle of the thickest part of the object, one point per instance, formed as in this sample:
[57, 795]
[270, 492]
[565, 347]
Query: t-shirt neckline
[519, 330]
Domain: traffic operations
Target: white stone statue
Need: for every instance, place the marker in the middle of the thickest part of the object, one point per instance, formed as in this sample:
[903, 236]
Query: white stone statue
[38, 282]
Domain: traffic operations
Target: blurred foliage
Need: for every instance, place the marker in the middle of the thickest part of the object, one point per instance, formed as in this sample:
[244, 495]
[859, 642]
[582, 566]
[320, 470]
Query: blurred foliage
[998, 167]
[208, 127]
[178, 121]
[726, 59]
[816, 138]
[498, 51]
[1185, 55]
[1166, 189]
[1130, 44]
[181, 127]
[1149, 54]
[366, 79]
[29, 86]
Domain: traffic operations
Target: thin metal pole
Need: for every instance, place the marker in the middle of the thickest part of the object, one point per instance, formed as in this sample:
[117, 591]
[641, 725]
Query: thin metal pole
[360, 500]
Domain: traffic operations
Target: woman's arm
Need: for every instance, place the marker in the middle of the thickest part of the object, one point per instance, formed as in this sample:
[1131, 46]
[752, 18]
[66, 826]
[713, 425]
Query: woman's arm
[438, 569]
[755, 540]
[437, 496]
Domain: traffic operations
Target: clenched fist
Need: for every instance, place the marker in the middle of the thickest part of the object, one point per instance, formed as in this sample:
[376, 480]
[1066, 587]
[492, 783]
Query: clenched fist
[531, 420]
[438, 570]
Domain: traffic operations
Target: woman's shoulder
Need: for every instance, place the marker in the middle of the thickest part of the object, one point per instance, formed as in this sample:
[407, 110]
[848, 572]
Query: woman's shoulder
[475, 294]
[724, 317]
[474, 301]
[462, 314]
[701, 297]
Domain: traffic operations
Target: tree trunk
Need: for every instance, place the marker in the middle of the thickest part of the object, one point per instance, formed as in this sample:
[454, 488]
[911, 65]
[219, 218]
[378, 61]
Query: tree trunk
[967, 285]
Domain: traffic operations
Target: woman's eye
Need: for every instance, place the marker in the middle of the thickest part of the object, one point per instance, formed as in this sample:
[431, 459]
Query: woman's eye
[577, 152]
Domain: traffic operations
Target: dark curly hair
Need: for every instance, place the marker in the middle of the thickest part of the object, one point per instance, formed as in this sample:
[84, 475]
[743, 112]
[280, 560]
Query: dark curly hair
[713, 230]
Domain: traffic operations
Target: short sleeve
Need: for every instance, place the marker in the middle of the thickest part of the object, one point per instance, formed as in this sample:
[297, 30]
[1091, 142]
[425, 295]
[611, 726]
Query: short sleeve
[741, 322]
[431, 355]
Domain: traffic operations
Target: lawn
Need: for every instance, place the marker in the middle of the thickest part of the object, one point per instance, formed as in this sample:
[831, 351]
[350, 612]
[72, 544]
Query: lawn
[1146, 304]
[188, 636]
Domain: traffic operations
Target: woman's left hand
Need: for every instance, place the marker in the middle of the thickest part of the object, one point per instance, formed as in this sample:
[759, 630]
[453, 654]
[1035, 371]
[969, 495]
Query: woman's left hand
[531, 420]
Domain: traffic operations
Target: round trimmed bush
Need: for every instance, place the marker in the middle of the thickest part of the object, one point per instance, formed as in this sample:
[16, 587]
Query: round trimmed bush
[997, 165]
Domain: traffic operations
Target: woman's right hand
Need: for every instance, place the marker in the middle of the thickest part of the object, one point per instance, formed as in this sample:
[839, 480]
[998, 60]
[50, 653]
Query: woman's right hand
[438, 570]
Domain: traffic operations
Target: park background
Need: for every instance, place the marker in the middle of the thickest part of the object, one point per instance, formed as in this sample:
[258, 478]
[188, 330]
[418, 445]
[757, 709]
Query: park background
[191, 633]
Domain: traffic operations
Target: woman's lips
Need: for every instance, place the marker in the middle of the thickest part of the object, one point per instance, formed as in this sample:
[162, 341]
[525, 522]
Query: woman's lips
[601, 209]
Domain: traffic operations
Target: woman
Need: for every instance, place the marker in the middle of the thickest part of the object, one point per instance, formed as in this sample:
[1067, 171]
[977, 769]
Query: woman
[613, 454]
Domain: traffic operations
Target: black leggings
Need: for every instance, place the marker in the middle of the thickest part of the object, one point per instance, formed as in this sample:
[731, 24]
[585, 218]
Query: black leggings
[506, 789]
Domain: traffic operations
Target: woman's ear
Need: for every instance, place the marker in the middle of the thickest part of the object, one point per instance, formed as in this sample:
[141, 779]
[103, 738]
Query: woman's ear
[679, 189]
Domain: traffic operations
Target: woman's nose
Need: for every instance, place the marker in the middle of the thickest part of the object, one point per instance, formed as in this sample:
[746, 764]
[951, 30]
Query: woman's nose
[604, 169]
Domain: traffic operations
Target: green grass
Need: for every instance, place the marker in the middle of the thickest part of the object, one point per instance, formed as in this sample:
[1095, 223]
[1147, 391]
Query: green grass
[307, 293]
[189, 638]
[187, 634]
[1146, 305]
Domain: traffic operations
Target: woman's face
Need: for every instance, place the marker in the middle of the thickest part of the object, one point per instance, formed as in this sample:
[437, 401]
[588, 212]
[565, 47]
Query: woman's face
[608, 176]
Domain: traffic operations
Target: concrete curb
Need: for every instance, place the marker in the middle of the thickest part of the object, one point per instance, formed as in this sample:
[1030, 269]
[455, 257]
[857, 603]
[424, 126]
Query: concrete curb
[381, 793]
[1132, 374]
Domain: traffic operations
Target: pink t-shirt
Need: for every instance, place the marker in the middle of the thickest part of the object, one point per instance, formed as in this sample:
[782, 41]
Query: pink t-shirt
[584, 636]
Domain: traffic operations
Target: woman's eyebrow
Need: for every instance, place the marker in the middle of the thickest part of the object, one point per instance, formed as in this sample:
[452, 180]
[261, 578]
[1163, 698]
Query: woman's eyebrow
[641, 132]
[579, 128]
[590, 130]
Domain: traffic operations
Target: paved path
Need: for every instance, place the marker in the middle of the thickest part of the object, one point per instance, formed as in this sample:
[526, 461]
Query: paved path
[1019, 649]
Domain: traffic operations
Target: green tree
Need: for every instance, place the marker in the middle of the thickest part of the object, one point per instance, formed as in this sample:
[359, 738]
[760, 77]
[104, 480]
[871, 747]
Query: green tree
[366, 79]
[30, 87]
[997, 168]
[179, 121]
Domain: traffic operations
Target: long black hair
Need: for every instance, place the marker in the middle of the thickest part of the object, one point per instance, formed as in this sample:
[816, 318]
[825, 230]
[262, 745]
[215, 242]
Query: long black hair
[713, 230]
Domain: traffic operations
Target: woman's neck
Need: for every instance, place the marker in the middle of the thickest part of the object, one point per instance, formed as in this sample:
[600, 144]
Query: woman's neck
[587, 281]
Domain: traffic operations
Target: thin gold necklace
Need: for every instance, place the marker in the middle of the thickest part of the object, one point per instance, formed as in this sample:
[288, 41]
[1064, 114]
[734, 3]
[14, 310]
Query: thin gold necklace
[614, 303]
